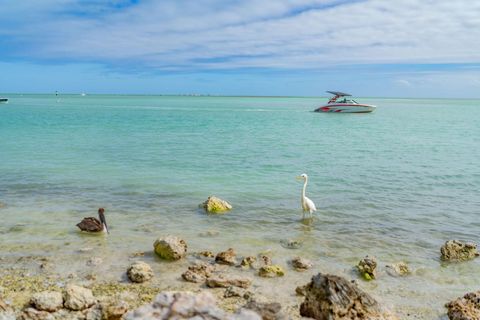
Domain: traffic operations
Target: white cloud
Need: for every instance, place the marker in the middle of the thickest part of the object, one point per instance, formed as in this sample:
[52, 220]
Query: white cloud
[218, 34]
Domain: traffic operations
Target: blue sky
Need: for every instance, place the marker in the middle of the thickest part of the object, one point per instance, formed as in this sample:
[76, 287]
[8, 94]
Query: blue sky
[405, 48]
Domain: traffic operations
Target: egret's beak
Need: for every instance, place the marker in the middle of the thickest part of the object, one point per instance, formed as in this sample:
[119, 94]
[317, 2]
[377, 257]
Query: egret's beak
[299, 178]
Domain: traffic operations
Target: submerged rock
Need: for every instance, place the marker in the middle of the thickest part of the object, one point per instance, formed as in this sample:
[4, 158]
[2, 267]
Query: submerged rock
[332, 297]
[216, 205]
[78, 298]
[301, 290]
[465, 308]
[227, 257]
[237, 292]
[291, 244]
[93, 262]
[399, 269]
[367, 268]
[170, 248]
[139, 271]
[206, 254]
[186, 305]
[224, 281]
[454, 250]
[198, 272]
[301, 264]
[47, 301]
[271, 271]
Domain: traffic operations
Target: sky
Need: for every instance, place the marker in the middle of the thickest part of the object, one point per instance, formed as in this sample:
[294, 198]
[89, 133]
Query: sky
[375, 48]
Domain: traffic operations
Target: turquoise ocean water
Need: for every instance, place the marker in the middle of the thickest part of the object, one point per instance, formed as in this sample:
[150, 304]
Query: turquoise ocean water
[395, 184]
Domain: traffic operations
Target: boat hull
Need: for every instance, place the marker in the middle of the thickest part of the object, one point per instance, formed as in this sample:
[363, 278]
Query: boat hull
[5, 100]
[346, 108]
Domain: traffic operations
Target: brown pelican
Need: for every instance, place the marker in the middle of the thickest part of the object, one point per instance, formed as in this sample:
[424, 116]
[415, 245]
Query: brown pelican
[91, 224]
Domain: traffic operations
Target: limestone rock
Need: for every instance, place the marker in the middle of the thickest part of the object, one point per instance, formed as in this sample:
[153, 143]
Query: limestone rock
[465, 308]
[367, 268]
[271, 271]
[268, 311]
[335, 298]
[227, 281]
[185, 305]
[399, 269]
[170, 248]
[198, 272]
[454, 250]
[206, 254]
[226, 257]
[216, 205]
[301, 264]
[140, 272]
[47, 301]
[78, 298]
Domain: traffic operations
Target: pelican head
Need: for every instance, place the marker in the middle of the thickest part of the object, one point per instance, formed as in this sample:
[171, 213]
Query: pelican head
[102, 219]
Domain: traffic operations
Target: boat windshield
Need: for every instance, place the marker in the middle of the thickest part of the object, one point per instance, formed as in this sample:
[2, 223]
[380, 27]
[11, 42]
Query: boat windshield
[344, 100]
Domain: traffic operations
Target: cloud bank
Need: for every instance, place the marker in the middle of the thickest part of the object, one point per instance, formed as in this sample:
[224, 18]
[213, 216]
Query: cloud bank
[224, 35]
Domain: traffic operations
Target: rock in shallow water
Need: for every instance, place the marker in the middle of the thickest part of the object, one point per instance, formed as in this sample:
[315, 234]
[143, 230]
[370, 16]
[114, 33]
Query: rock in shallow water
[198, 272]
[334, 298]
[139, 272]
[301, 264]
[267, 310]
[454, 250]
[465, 308]
[271, 271]
[170, 248]
[226, 257]
[224, 281]
[367, 268]
[47, 301]
[216, 205]
[399, 269]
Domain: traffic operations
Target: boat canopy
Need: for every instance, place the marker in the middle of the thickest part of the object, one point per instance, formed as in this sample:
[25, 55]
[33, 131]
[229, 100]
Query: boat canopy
[339, 94]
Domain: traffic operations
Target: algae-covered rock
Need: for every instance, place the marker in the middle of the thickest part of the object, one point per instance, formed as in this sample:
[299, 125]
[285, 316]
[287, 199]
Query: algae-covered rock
[367, 268]
[139, 272]
[465, 308]
[170, 248]
[216, 205]
[224, 281]
[333, 297]
[399, 269]
[78, 298]
[47, 301]
[226, 257]
[454, 250]
[271, 271]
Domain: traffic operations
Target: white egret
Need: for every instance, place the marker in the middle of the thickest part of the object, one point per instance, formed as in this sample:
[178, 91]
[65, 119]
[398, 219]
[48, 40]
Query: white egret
[307, 204]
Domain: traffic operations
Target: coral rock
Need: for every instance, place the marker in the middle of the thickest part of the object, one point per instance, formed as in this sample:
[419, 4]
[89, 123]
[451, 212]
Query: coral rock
[333, 297]
[170, 248]
[78, 298]
[139, 272]
[198, 272]
[398, 269]
[454, 250]
[465, 308]
[47, 301]
[227, 281]
[301, 264]
[216, 205]
[226, 257]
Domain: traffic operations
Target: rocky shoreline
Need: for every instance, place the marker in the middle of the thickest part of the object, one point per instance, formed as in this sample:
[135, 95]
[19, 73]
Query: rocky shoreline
[214, 286]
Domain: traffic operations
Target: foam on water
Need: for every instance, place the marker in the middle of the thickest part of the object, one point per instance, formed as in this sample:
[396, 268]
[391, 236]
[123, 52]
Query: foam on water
[395, 184]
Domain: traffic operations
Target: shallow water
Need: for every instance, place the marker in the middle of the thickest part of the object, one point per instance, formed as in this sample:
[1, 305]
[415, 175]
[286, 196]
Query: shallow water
[395, 184]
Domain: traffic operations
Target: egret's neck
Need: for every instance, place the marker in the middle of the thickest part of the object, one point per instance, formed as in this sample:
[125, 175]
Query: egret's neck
[304, 188]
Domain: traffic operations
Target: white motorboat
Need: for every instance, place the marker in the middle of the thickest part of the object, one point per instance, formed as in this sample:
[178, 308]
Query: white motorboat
[344, 105]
